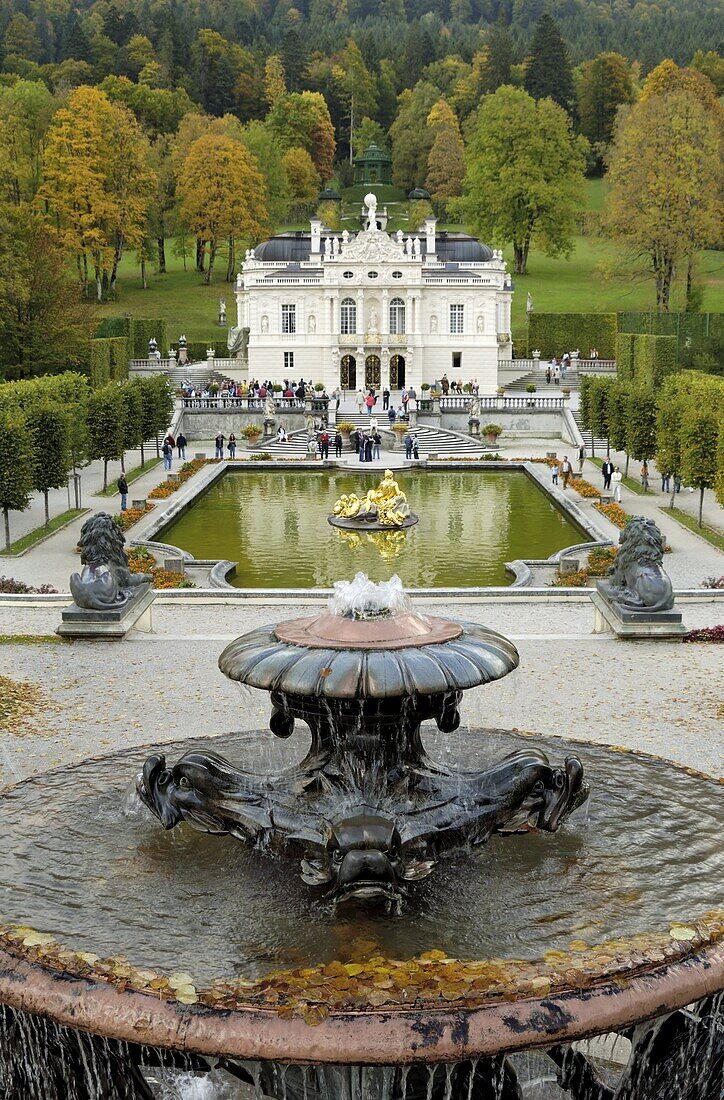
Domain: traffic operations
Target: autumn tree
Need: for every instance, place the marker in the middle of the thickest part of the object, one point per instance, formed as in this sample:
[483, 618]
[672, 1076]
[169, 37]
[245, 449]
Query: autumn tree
[26, 109]
[665, 200]
[221, 193]
[411, 137]
[17, 459]
[524, 174]
[446, 159]
[667, 77]
[98, 184]
[157, 404]
[275, 86]
[605, 85]
[711, 64]
[548, 70]
[303, 178]
[302, 119]
[263, 145]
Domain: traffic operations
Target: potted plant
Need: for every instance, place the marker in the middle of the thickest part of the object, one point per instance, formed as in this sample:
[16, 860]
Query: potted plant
[491, 433]
[425, 386]
[530, 388]
[500, 391]
[400, 431]
[319, 386]
[346, 427]
[214, 389]
[252, 434]
[277, 388]
[566, 393]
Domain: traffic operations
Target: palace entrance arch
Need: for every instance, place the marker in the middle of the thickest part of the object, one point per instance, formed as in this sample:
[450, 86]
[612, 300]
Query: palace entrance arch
[397, 372]
[373, 372]
[348, 372]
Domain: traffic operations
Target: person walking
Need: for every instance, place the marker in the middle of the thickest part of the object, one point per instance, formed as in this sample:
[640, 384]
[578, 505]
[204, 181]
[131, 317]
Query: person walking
[360, 401]
[362, 438]
[554, 474]
[368, 448]
[408, 441]
[370, 403]
[556, 375]
[666, 483]
[607, 470]
[123, 490]
[167, 452]
[376, 444]
[338, 444]
[231, 444]
[645, 475]
[181, 445]
[391, 415]
[566, 471]
[385, 400]
[405, 398]
[219, 444]
[581, 458]
[415, 449]
[337, 395]
[324, 444]
[617, 478]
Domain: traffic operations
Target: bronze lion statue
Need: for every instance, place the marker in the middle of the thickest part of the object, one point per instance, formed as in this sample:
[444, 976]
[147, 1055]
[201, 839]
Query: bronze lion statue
[638, 581]
[105, 581]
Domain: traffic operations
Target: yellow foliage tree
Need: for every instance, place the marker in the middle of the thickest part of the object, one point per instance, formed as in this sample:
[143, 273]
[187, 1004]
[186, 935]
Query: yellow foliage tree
[665, 199]
[275, 87]
[98, 183]
[302, 175]
[221, 194]
[668, 77]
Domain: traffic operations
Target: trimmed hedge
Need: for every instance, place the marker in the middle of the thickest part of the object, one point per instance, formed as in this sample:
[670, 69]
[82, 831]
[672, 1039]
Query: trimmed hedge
[653, 358]
[691, 330]
[141, 331]
[114, 326]
[625, 356]
[118, 358]
[99, 363]
[197, 349]
[554, 333]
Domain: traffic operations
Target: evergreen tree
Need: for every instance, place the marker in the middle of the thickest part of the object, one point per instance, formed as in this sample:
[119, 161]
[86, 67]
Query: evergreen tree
[499, 57]
[294, 59]
[548, 72]
[604, 85]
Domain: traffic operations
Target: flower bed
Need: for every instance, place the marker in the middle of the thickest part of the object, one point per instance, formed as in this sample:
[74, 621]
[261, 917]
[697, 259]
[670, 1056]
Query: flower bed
[20, 588]
[131, 515]
[705, 634]
[599, 561]
[583, 487]
[141, 560]
[615, 513]
[166, 488]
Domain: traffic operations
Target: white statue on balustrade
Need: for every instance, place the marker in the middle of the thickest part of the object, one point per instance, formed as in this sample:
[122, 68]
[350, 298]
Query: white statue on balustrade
[312, 323]
[371, 204]
[373, 327]
[264, 323]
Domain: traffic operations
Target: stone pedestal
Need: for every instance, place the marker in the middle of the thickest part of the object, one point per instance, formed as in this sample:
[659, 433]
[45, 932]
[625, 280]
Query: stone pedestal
[77, 622]
[609, 617]
[268, 427]
[140, 504]
[473, 426]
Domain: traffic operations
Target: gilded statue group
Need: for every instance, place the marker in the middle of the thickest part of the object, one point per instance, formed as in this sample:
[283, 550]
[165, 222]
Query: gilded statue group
[386, 505]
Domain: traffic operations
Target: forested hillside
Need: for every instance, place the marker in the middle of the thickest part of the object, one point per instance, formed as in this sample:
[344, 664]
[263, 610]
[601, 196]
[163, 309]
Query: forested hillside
[133, 130]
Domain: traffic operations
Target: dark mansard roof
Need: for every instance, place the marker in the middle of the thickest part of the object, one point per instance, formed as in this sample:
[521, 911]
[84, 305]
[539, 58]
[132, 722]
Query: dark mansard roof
[450, 248]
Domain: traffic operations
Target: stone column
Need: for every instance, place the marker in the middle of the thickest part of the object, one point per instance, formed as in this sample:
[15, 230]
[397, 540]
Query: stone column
[385, 319]
[361, 312]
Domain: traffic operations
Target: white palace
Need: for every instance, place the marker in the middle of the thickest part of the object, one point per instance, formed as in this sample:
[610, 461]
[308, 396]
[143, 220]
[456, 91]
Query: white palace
[373, 308]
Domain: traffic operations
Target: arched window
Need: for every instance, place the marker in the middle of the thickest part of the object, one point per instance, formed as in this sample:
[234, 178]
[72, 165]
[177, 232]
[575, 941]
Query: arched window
[397, 317]
[348, 316]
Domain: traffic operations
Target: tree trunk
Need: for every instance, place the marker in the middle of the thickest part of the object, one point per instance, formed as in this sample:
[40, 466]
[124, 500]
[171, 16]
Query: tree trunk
[105, 474]
[47, 510]
[85, 275]
[123, 462]
[144, 284]
[143, 460]
[673, 492]
[161, 242]
[158, 448]
[625, 472]
[212, 257]
[520, 253]
[6, 514]
[689, 280]
[701, 504]
[99, 284]
[232, 261]
[200, 255]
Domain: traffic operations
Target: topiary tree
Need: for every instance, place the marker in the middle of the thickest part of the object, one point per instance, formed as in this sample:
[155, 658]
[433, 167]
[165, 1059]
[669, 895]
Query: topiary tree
[641, 426]
[158, 403]
[133, 424]
[617, 397]
[700, 428]
[49, 424]
[17, 457]
[106, 425]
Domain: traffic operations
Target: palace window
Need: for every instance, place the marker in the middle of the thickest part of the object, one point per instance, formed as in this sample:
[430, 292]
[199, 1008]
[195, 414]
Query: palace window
[397, 317]
[457, 318]
[289, 318]
[396, 274]
[457, 360]
[348, 274]
[348, 317]
[289, 362]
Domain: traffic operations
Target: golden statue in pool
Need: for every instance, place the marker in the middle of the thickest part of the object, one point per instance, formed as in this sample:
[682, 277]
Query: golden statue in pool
[386, 505]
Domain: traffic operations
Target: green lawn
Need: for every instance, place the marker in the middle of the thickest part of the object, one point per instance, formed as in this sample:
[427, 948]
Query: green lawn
[39, 533]
[577, 284]
[712, 534]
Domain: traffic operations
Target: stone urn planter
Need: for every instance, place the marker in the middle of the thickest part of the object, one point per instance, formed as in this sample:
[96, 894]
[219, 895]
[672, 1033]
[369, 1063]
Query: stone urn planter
[491, 433]
[252, 433]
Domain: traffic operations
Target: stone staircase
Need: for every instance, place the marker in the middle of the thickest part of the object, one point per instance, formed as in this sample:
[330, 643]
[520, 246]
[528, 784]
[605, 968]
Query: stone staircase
[294, 446]
[429, 440]
[572, 381]
[595, 447]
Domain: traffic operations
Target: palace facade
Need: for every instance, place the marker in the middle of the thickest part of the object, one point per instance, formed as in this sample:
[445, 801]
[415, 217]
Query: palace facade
[375, 309]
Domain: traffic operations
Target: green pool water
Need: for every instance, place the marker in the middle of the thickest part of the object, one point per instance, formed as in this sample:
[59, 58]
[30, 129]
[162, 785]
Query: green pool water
[274, 524]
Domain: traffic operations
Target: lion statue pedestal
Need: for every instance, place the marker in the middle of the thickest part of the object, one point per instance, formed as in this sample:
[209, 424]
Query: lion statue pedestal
[108, 599]
[638, 599]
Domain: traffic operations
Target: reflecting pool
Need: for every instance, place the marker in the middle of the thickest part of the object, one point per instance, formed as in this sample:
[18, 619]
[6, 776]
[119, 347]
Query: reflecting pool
[274, 524]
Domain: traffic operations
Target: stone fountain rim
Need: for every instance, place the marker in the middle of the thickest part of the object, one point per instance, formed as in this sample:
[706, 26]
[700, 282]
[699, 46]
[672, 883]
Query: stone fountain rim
[389, 1036]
